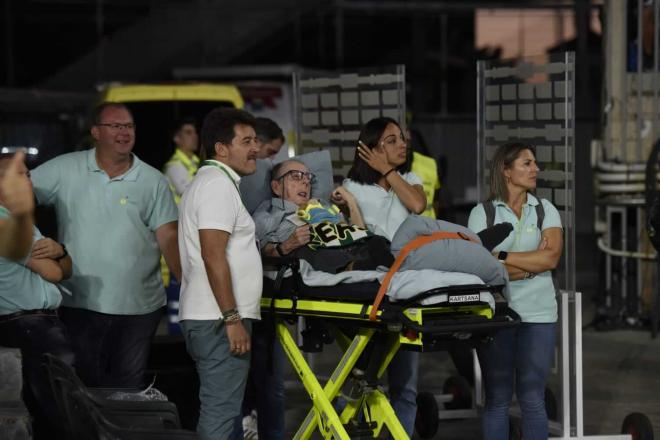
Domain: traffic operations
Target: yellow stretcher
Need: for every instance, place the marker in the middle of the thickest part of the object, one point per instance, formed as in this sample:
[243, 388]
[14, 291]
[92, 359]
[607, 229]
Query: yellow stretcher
[463, 313]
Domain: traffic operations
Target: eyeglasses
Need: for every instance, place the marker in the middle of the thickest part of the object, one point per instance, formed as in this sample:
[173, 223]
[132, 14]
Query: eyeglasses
[298, 175]
[114, 126]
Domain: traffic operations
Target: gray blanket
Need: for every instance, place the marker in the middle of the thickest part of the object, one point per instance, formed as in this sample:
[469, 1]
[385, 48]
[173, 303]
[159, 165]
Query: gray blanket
[447, 255]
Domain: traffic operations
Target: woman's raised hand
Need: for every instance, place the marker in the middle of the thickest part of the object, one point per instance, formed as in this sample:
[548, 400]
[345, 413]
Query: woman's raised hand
[376, 158]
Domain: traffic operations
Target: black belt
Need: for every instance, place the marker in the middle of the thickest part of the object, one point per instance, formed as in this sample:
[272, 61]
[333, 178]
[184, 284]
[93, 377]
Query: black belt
[16, 315]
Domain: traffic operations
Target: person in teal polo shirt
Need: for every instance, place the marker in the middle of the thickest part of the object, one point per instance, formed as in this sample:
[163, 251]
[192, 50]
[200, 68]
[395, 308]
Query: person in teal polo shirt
[116, 216]
[529, 254]
[28, 319]
[16, 191]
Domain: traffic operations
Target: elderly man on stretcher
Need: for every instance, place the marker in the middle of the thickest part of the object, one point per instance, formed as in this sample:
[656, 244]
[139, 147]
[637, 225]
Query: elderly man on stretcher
[335, 247]
[331, 238]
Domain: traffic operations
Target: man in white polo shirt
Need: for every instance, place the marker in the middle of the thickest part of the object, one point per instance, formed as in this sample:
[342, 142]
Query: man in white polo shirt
[222, 272]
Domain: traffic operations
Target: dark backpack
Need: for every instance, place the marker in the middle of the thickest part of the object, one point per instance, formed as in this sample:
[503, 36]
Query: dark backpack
[489, 207]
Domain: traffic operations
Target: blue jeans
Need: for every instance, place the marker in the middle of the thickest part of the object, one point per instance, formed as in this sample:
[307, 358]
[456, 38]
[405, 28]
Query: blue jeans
[265, 386]
[111, 350]
[402, 374]
[222, 378]
[526, 351]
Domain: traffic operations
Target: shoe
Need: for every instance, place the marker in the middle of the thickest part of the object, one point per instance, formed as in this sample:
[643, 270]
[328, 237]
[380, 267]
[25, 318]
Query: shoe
[250, 429]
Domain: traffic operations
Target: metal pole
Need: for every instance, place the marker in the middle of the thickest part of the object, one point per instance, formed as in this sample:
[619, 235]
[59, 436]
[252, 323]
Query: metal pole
[481, 115]
[579, 400]
[565, 372]
[624, 94]
[656, 60]
[640, 85]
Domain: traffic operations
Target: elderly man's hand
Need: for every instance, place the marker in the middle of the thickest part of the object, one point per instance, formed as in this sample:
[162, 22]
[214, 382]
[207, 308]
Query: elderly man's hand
[15, 188]
[300, 237]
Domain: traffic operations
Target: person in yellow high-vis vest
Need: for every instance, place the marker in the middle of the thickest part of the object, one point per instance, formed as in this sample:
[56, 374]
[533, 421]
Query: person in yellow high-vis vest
[183, 164]
[179, 171]
[426, 169]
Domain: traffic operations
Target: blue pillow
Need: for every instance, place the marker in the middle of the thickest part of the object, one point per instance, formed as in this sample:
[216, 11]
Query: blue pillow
[255, 188]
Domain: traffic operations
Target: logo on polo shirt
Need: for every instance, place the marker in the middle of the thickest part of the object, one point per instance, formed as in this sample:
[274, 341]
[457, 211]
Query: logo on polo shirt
[123, 200]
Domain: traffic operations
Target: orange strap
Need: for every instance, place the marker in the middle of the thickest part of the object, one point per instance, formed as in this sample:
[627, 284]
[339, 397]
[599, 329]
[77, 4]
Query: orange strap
[413, 244]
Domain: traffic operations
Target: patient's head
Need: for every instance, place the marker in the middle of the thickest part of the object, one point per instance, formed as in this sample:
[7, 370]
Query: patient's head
[292, 181]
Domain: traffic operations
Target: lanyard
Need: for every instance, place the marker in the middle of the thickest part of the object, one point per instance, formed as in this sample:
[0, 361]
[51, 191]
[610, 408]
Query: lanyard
[215, 163]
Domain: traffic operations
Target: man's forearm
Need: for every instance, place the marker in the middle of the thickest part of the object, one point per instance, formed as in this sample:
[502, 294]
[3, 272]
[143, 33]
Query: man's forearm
[168, 242]
[220, 281]
[16, 236]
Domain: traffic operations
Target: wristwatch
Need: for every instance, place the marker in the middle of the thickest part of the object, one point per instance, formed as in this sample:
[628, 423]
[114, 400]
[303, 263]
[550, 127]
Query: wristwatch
[64, 254]
[278, 249]
[501, 257]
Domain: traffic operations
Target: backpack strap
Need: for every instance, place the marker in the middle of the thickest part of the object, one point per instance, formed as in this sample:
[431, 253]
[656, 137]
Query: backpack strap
[489, 208]
[540, 215]
[413, 244]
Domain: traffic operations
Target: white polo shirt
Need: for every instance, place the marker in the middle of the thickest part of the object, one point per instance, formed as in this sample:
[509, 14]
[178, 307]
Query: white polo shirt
[381, 209]
[212, 201]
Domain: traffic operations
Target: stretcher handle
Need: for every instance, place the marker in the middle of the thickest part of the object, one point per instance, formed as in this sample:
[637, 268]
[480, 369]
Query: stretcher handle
[413, 244]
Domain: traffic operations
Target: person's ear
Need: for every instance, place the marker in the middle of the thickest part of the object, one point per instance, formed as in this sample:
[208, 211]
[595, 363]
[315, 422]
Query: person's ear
[221, 150]
[96, 133]
[276, 187]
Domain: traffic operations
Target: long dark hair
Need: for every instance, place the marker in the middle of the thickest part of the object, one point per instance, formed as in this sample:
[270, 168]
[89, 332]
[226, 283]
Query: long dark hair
[503, 158]
[371, 133]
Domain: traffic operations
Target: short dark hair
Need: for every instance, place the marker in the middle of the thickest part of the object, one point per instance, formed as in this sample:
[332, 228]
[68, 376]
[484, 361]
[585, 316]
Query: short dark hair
[219, 127]
[95, 116]
[188, 120]
[267, 130]
[371, 133]
[503, 158]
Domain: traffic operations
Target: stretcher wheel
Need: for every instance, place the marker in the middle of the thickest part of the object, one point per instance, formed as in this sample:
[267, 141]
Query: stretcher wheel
[551, 408]
[460, 389]
[427, 420]
[638, 426]
[515, 428]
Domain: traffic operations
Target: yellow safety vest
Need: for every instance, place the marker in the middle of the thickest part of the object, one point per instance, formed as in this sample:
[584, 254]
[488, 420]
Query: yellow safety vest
[427, 170]
[191, 165]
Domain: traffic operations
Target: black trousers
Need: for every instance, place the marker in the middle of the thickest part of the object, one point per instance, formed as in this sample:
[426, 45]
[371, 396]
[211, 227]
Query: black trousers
[36, 335]
[111, 350]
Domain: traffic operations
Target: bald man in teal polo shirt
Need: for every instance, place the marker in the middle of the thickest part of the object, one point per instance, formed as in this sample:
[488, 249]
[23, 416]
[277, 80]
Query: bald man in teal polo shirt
[115, 216]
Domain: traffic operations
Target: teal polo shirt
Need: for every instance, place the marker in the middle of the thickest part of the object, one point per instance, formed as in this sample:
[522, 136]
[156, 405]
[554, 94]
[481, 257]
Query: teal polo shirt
[533, 299]
[22, 289]
[108, 227]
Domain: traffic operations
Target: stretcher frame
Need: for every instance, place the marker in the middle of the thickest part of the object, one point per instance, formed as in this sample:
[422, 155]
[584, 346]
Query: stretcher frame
[403, 325]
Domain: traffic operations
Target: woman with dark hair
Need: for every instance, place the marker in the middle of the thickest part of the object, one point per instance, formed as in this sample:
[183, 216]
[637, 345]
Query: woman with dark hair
[529, 253]
[387, 193]
[380, 178]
